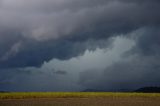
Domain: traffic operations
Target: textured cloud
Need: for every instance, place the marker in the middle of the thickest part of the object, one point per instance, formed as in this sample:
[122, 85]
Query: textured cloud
[63, 75]
[43, 27]
[138, 67]
[34, 33]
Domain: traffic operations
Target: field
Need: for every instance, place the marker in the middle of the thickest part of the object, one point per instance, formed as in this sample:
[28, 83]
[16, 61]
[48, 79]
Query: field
[79, 99]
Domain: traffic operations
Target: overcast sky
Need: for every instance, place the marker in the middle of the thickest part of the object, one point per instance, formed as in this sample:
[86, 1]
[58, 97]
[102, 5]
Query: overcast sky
[73, 45]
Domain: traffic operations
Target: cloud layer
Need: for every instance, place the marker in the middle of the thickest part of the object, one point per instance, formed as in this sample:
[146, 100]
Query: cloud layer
[35, 32]
[137, 67]
[30, 30]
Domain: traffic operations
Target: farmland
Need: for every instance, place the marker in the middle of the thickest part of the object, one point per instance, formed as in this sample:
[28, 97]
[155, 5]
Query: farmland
[79, 99]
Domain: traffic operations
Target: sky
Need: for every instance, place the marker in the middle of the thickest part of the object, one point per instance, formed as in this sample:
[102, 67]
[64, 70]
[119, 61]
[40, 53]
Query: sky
[74, 45]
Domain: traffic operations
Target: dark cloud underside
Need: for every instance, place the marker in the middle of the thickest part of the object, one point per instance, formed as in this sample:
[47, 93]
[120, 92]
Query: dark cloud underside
[45, 31]
[35, 32]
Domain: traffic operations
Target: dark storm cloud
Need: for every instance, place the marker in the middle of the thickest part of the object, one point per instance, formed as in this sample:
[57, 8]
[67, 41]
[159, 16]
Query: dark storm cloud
[34, 54]
[149, 43]
[131, 74]
[35, 79]
[32, 32]
[138, 67]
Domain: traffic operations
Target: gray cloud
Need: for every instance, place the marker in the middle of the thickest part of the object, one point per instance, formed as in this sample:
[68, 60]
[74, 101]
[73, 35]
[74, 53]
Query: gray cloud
[149, 43]
[35, 32]
[138, 67]
[35, 79]
[44, 27]
[131, 74]
[33, 54]
[55, 74]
